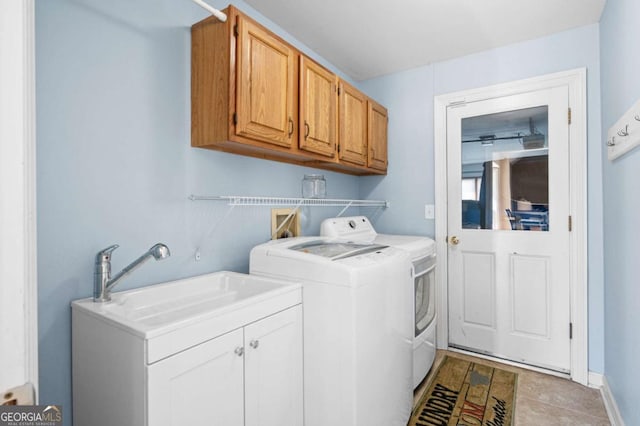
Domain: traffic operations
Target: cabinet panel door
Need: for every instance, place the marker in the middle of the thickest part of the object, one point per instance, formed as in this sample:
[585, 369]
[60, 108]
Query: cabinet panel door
[353, 125]
[273, 370]
[200, 385]
[377, 136]
[318, 105]
[264, 89]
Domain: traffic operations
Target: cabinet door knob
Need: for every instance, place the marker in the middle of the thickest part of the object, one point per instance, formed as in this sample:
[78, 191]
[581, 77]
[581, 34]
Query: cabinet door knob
[239, 351]
[254, 344]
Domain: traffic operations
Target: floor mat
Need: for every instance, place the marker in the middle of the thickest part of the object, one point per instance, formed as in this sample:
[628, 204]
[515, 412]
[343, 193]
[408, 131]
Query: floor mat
[464, 393]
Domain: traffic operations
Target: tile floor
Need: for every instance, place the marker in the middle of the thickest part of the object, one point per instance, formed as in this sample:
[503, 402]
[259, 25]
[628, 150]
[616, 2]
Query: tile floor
[542, 400]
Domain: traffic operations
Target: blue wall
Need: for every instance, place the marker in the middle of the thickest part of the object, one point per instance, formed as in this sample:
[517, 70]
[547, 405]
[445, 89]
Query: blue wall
[115, 165]
[409, 97]
[620, 67]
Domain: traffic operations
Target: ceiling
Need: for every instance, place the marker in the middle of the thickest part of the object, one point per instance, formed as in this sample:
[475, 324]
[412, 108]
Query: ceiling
[369, 38]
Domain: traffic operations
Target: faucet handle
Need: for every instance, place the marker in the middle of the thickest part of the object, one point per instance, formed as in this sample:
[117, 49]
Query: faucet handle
[104, 255]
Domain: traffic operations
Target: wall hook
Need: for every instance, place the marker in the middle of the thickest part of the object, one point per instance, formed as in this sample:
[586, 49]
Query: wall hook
[612, 141]
[637, 117]
[624, 132]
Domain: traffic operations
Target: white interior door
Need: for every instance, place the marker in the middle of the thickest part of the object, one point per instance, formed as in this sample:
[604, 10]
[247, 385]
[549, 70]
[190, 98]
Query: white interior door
[508, 227]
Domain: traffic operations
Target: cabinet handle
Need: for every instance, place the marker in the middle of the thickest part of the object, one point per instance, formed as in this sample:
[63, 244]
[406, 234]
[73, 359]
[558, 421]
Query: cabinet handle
[290, 126]
[254, 344]
[239, 351]
[306, 130]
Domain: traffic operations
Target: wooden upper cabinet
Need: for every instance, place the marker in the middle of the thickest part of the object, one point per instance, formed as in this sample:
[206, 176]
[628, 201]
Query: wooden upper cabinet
[254, 94]
[377, 136]
[318, 108]
[265, 86]
[352, 134]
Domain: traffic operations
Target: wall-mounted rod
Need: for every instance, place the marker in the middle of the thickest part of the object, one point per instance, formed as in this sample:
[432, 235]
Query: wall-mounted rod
[215, 12]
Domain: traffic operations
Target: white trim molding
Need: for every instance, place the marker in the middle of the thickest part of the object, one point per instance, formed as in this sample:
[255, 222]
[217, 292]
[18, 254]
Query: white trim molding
[610, 404]
[575, 81]
[595, 380]
[18, 266]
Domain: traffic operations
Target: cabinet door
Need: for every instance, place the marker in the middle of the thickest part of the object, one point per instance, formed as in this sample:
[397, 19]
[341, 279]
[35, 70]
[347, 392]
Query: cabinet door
[318, 105]
[264, 87]
[353, 125]
[377, 136]
[202, 385]
[273, 370]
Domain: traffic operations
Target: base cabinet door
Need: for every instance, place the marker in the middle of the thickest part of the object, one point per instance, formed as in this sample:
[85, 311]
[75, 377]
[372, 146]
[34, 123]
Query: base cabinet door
[273, 370]
[202, 385]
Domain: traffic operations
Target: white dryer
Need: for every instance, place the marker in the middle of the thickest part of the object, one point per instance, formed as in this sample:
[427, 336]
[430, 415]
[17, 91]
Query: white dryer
[423, 255]
[357, 327]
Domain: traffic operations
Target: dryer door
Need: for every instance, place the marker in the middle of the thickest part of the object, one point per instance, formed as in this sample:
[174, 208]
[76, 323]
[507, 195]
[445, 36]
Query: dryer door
[424, 281]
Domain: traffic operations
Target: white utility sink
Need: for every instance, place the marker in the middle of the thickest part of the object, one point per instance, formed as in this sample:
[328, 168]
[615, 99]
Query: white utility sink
[208, 347]
[158, 309]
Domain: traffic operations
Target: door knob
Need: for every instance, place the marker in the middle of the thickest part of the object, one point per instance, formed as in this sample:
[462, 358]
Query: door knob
[454, 241]
[239, 351]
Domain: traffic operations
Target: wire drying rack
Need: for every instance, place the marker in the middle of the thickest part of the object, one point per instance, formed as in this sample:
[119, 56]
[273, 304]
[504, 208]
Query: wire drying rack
[242, 200]
[296, 203]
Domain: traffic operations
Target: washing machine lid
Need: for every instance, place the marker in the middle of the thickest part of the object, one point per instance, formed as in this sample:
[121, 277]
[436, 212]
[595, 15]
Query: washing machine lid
[335, 250]
[416, 245]
[360, 229]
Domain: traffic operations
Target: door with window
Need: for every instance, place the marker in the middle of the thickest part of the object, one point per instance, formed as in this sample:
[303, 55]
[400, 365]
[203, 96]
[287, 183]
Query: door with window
[508, 227]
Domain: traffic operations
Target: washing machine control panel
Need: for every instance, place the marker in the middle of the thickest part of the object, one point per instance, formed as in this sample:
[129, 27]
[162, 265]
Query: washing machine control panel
[348, 227]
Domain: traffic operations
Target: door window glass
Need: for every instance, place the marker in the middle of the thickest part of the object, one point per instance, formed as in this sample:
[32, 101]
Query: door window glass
[505, 171]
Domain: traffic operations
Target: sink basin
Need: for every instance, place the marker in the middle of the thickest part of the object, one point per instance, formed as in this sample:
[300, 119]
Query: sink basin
[161, 308]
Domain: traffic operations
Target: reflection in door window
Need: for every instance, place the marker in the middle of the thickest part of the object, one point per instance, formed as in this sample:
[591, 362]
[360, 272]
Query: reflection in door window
[505, 171]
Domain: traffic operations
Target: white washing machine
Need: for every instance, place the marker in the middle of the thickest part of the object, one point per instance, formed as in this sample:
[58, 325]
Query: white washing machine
[357, 327]
[423, 255]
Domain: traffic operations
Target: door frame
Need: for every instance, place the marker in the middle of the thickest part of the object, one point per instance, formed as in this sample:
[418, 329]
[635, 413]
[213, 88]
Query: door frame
[18, 268]
[576, 81]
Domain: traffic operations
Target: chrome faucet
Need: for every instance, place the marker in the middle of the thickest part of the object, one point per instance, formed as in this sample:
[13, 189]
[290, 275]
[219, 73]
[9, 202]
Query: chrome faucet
[102, 281]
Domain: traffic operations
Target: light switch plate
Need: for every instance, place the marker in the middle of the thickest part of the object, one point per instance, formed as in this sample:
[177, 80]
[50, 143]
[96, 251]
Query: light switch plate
[429, 211]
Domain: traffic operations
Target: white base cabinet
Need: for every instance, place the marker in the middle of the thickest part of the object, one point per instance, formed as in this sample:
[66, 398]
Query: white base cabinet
[240, 366]
[251, 377]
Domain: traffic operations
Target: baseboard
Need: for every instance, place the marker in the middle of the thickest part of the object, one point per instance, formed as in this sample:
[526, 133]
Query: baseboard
[610, 404]
[595, 380]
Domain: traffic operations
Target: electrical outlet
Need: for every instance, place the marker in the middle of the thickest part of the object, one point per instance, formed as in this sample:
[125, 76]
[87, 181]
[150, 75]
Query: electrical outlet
[285, 223]
[429, 211]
